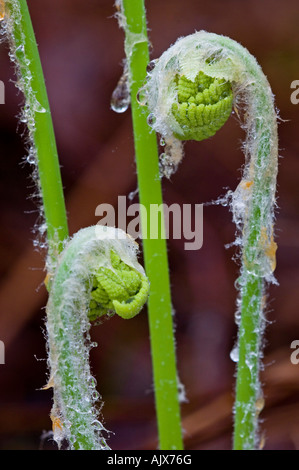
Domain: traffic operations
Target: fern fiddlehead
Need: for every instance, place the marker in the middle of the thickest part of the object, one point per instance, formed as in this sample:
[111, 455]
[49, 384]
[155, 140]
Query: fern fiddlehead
[97, 274]
[118, 288]
[182, 108]
[203, 106]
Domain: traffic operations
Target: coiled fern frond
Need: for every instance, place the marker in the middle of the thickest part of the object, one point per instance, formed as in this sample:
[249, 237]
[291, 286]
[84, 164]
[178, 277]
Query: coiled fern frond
[203, 106]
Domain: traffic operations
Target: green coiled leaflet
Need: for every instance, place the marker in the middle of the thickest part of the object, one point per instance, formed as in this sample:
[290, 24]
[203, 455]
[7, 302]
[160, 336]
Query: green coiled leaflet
[203, 106]
[119, 288]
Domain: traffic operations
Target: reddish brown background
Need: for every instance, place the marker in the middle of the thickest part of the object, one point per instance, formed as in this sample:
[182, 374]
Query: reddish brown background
[81, 49]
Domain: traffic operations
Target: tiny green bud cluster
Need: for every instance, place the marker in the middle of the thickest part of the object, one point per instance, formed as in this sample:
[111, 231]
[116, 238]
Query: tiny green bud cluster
[203, 106]
[121, 289]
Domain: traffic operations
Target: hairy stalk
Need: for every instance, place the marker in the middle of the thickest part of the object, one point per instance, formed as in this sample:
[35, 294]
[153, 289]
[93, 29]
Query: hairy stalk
[97, 274]
[36, 114]
[131, 15]
[189, 93]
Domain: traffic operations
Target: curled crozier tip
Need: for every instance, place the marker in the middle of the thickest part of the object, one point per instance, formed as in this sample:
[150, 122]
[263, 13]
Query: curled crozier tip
[190, 92]
[97, 274]
[132, 306]
[192, 88]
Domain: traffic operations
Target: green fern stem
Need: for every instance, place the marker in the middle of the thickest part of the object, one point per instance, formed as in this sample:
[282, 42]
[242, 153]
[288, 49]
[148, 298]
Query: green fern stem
[132, 18]
[36, 114]
[97, 274]
[190, 93]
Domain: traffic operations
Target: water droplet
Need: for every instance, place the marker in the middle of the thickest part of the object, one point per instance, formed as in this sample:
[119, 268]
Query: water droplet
[132, 194]
[20, 50]
[238, 317]
[120, 99]
[234, 354]
[151, 119]
[151, 65]
[259, 404]
[182, 393]
[141, 97]
[162, 142]
[95, 395]
[42, 228]
[38, 108]
[31, 158]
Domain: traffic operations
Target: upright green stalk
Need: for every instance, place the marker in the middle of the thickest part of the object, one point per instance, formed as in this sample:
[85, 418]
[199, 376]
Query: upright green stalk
[37, 115]
[132, 18]
[189, 93]
[96, 273]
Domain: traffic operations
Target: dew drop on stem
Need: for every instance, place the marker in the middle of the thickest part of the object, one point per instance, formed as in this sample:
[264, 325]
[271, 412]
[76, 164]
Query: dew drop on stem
[31, 158]
[234, 354]
[151, 119]
[132, 194]
[141, 97]
[120, 99]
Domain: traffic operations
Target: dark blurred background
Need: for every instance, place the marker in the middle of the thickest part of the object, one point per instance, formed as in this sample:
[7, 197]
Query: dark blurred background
[81, 49]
